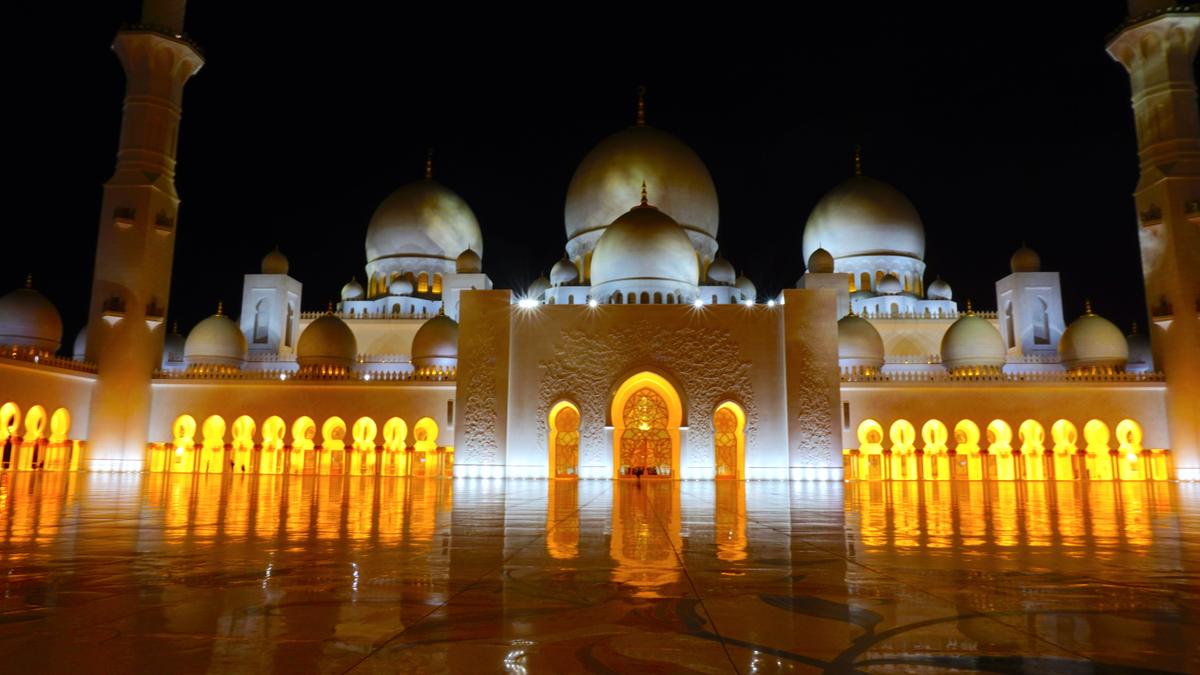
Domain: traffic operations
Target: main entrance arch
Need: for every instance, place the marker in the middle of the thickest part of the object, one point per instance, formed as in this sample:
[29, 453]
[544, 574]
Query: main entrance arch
[646, 414]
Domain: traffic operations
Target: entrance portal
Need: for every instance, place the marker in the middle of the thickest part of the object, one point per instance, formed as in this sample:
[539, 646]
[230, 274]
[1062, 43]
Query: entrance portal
[564, 440]
[646, 414]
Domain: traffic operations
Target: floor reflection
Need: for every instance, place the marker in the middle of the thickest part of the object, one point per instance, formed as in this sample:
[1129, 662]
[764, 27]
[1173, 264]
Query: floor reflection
[218, 573]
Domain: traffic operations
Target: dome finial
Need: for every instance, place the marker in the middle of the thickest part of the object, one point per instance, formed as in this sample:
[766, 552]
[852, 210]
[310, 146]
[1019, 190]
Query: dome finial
[29, 276]
[429, 163]
[1133, 329]
[645, 199]
[329, 308]
[858, 160]
[641, 105]
[1087, 306]
[220, 308]
[175, 327]
[970, 310]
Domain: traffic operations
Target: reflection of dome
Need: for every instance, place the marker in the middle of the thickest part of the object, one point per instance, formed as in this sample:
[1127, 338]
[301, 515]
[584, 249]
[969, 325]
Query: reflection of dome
[328, 341]
[468, 262]
[1141, 356]
[721, 273]
[644, 243]
[608, 179]
[353, 290]
[1093, 342]
[890, 284]
[400, 286]
[563, 272]
[436, 343]
[79, 352]
[864, 216]
[29, 319]
[820, 262]
[972, 343]
[859, 344]
[749, 291]
[939, 290]
[215, 341]
[275, 262]
[1025, 259]
[539, 287]
[423, 219]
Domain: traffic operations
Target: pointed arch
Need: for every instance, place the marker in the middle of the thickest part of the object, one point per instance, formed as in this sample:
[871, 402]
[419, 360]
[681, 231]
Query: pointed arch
[646, 414]
[729, 441]
[563, 444]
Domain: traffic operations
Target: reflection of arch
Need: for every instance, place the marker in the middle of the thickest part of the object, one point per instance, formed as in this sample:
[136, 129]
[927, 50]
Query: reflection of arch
[1000, 457]
[1033, 449]
[272, 459]
[1129, 450]
[1099, 464]
[303, 456]
[904, 459]
[364, 432]
[729, 441]
[564, 440]
[646, 414]
[967, 464]
[935, 463]
[243, 443]
[395, 436]
[1065, 437]
[183, 458]
[333, 446]
[212, 454]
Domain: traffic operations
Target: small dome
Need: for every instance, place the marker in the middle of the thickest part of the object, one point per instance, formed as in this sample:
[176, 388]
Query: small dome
[971, 343]
[1093, 342]
[275, 262]
[749, 291]
[353, 290]
[864, 216]
[645, 243]
[173, 348]
[1141, 355]
[939, 290]
[423, 219]
[215, 341]
[400, 286]
[720, 272]
[328, 341]
[820, 262]
[890, 284]
[79, 350]
[468, 262]
[29, 319]
[1025, 259]
[563, 273]
[539, 287]
[859, 343]
[436, 343]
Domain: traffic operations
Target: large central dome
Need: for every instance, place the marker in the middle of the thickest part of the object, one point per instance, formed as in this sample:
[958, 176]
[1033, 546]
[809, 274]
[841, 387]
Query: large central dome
[865, 217]
[423, 219]
[610, 177]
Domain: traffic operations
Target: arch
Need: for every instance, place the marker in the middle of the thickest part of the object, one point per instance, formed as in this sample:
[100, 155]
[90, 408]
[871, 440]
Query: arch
[1131, 459]
[563, 443]
[35, 424]
[1041, 322]
[60, 425]
[1010, 333]
[291, 317]
[10, 427]
[967, 464]
[630, 298]
[212, 452]
[865, 282]
[363, 461]
[1098, 461]
[729, 441]
[395, 438]
[436, 286]
[935, 464]
[243, 444]
[1065, 438]
[658, 297]
[183, 431]
[422, 283]
[333, 446]
[646, 414]
[425, 437]
[272, 458]
[1001, 464]
[645, 298]
[904, 458]
[1033, 449]
[303, 455]
[262, 320]
[870, 450]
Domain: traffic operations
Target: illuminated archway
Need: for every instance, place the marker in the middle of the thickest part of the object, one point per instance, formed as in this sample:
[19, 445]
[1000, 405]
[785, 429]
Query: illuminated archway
[32, 452]
[1001, 463]
[1130, 456]
[1065, 437]
[967, 463]
[646, 414]
[272, 458]
[303, 457]
[1099, 462]
[333, 446]
[395, 454]
[363, 460]
[183, 456]
[870, 450]
[10, 431]
[935, 463]
[564, 440]
[729, 441]
[212, 452]
[59, 451]
[425, 437]
[904, 458]
[1033, 449]
[243, 444]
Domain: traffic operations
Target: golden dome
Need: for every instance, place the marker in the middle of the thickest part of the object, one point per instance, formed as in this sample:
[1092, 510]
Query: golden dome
[721, 272]
[215, 341]
[820, 262]
[563, 273]
[644, 243]
[353, 290]
[29, 319]
[328, 341]
[275, 262]
[436, 343]
[423, 219]
[939, 290]
[863, 216]
[468, 262]
[972, 342]
[1092, 341]
[609, 179]
[859, 343]
[1025, 259]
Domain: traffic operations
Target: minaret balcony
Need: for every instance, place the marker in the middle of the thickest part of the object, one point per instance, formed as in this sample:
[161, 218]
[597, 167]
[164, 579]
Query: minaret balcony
[112, 310]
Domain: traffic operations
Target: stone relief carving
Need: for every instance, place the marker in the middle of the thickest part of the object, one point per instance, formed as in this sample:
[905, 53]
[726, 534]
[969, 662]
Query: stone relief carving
[813, 407]
[479, 417]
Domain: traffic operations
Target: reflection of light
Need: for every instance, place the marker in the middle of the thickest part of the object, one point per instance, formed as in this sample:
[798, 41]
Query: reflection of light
[527, 303]
[698, 302]
[593, 303]
[354, 584]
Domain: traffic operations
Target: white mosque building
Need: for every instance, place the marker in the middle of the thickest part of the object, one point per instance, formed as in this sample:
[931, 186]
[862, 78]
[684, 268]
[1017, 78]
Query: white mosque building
[642, 353]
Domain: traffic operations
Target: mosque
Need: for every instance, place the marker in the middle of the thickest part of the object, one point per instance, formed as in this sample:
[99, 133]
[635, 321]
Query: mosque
[641, 353]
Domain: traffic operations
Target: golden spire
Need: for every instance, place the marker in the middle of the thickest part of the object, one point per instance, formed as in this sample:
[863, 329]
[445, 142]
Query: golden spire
[29, 280]
[220, 308]
[645, 200]
[429, 163]
[175, 328]
[970, 311]
[858, 160]
[329, 308]
[1087, 306]
[1134, 329]
[641, 106]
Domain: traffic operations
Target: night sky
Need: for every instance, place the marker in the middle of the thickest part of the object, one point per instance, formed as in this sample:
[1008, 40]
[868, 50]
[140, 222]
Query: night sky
[1001, 123]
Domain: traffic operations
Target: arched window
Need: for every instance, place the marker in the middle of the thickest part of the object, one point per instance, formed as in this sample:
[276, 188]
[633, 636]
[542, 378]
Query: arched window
[865, 284]
[437, 283]
[564, 440]
[645, 298]
[729, 446]
[630, 299]
[1009, 331]
[291, 318]
[261, 320]
[570, 299]
[658, 298]
[422, 283]
[1041, 323]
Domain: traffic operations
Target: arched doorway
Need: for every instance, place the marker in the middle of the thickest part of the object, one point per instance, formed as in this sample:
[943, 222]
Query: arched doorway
[729, 441]
[646, 414]
[564, 440]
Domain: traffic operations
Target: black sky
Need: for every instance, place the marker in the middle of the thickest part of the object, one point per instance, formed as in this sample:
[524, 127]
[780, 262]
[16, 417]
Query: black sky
[1002, 122]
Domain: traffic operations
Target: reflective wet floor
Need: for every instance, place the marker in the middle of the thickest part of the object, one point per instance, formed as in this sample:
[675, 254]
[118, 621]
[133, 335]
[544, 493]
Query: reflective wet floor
[196, 574]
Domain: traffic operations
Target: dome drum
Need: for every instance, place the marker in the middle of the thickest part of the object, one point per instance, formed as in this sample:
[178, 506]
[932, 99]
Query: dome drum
[869, 270]
[644, 292]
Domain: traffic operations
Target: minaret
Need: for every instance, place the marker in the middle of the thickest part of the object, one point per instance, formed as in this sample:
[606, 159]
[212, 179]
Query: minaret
[1157, 46]
[136, 243]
